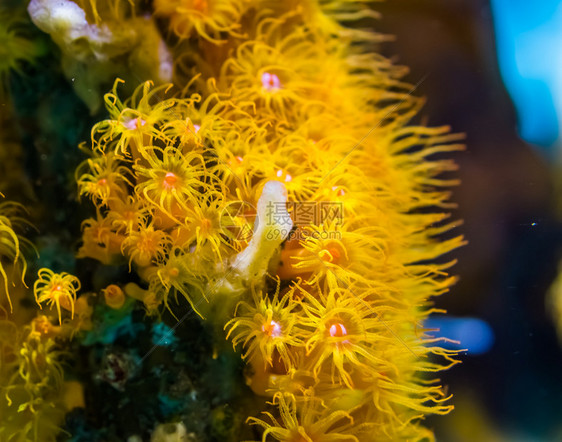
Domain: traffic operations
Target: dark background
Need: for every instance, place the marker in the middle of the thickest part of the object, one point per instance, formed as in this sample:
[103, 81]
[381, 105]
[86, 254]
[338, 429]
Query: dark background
[506, 200]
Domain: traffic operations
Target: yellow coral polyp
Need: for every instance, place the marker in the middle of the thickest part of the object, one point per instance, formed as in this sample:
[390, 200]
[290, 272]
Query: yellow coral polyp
[100, 241]
[57, 289]
[114, 296]
[205, 18]
[171, 180]
[126, 215]
[205, 224]
[249, 76]
[133, 121]
[42, 325]
[146, 245]
[31, 375]
[313, 423]
[102, 178]
[344, 336]
[334, 255]
[11, 244]
[265, 329]
[181, 273]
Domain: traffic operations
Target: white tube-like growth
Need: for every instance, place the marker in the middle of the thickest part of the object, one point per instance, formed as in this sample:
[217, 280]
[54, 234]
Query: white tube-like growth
[272, 226]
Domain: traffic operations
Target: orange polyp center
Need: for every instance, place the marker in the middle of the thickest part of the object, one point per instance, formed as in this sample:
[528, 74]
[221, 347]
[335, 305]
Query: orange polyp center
[129, 215]
[206, 224]
[170, 180]
[335, 254]
[102, 182]
[174, 272]
[272, 329]
[338, 330]
[235, 163]
[339, 191]
[331, 254]
[201, 5]
[147, 244]
[114, 296]
[43, 326]
[112, 291]
[55, 291]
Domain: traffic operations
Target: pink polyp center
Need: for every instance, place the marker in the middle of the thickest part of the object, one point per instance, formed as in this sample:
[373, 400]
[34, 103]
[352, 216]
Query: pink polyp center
[55, 292]
[338, 330]
[134, 123]
[170, 180]
[338, 190]
[272, 329]
[270, 82]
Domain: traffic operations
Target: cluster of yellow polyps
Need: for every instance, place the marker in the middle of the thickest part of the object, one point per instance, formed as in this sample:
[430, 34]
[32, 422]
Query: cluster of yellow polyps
[31, 381]
[11, 246]
[32, 391]
[289, 109]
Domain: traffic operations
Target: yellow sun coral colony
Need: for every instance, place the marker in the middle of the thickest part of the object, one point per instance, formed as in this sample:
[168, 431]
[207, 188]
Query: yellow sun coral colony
[282, 189]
